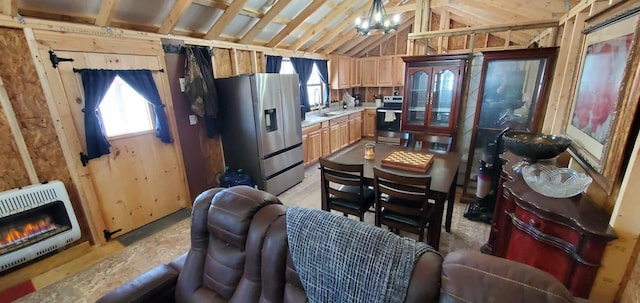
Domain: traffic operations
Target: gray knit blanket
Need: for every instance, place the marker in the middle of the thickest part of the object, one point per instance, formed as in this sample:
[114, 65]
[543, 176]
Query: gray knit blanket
[342, 260]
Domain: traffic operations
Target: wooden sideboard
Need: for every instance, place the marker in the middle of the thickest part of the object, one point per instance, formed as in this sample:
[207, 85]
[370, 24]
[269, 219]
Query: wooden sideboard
[564, 237]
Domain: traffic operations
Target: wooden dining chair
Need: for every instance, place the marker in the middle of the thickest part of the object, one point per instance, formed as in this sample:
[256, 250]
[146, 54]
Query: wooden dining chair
[402, 202]
[344, 188]
[424, 141]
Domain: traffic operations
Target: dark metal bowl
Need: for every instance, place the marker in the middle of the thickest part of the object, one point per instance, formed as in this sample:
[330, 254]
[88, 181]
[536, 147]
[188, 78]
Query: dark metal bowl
[533, 147]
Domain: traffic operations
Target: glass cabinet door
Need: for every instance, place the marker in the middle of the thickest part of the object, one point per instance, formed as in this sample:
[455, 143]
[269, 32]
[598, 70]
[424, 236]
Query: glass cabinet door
[442, 98]
[420, 80]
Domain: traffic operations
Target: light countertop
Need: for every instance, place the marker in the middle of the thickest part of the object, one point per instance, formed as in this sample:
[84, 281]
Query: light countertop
[327, 114]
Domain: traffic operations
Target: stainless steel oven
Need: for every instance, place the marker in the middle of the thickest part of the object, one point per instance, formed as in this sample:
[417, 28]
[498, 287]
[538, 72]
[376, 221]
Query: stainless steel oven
[388, 116]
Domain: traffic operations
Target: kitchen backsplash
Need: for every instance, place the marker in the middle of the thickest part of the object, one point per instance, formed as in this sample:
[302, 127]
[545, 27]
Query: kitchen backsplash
[366, 92]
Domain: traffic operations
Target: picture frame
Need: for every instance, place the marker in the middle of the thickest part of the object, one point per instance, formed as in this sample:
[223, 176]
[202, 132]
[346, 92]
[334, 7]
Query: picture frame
[605, 96]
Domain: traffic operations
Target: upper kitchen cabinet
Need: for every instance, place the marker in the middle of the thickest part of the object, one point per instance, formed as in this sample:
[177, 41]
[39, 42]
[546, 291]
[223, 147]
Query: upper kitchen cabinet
[385, 71]
[356, 79]
[398, 71]
[432, 93]
[340, 72]
[369, 68]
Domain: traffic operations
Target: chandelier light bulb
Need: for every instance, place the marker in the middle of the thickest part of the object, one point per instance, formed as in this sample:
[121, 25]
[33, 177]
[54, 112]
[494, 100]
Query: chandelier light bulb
[396, 18]
[378, 17]
[387, 23]
[358, 21]
[365, 24]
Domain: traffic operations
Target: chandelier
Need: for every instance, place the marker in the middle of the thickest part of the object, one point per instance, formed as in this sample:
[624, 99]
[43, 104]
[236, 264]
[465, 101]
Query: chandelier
[377, 21]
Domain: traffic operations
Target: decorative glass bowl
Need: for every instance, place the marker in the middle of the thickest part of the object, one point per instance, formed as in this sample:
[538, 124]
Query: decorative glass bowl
[534, 146]
[555, 182]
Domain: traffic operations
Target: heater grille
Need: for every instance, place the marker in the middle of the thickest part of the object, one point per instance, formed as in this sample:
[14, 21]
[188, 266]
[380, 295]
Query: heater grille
[24, 201]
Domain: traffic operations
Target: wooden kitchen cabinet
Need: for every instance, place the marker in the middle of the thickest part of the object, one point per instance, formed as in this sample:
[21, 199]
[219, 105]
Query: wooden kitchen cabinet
[311, 144]
[564, 237]
[369, 68]
[398, 71]
[385, 71]
[369, 125]
[432, 94]
[340, 72]
[326, 141]
[334, 136]
[355, 127]
[356, 80]
[344, 133]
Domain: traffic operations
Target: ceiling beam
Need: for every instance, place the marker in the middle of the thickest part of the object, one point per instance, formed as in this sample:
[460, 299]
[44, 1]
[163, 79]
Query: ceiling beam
[10, 7]
[262, 23]
[401, 8]
[225, 19]
[179, 7]
[317, 28]
[484, 29]
[295, 23]
[106, 12]
[472, 21]
[368, 46]
[348, 42]
[335, 32]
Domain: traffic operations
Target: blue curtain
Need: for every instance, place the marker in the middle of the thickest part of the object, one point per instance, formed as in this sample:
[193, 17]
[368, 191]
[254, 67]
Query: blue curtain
[324, 76]
[303, 67]
[96, 83]
[273, 64]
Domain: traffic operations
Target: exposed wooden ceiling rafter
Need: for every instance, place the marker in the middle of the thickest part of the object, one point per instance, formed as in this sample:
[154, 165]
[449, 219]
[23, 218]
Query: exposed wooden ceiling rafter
[366, 47]
[107, 7]
[295, 23]
[225, 19]
[335, 32]
[10, 7]
[179, 7]
[317, 28]
[266, 19]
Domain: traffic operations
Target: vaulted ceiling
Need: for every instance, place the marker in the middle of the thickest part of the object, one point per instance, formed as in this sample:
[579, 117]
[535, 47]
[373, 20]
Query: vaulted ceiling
[321, 26]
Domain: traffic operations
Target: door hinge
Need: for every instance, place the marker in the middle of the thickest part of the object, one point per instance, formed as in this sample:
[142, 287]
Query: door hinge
[107, 234]
[84, 159]
[55, 59]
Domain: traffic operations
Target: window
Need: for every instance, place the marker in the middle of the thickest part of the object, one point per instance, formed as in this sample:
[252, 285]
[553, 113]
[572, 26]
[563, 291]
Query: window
[315, 86]
[124, 111]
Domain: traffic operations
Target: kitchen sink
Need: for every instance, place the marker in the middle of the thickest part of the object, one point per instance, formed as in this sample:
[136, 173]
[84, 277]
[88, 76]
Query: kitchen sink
[333, 114]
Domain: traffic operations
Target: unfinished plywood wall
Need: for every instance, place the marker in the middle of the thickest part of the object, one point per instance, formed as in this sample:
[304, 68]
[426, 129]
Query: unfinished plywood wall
[12, 169]
[222, 64]
[29, 105]
[244, 61]
[401, 41]
[457, 42]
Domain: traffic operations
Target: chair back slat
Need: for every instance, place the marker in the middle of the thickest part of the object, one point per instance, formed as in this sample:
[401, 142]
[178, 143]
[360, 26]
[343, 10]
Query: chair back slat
[426, 141]
[402, 195]
[344, 183]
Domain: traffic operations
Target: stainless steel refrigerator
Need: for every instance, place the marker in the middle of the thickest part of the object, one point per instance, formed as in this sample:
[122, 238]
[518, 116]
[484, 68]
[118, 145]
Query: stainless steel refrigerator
[262, 134]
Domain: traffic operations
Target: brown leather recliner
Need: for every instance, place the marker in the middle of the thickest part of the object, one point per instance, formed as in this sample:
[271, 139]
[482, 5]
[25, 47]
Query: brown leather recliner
[239, 253]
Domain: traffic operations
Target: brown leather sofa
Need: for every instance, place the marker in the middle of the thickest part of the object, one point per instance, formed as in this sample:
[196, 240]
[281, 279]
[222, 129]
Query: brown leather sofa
[239, 253]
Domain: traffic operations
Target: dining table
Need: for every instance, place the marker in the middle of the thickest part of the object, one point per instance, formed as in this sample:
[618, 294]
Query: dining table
[443, 172]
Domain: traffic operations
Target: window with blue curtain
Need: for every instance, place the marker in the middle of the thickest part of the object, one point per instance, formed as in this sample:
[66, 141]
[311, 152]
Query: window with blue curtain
[96, 84]
[316, 88]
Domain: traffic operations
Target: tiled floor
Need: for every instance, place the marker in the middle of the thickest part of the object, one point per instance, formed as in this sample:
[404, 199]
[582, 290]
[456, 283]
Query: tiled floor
[94, 282]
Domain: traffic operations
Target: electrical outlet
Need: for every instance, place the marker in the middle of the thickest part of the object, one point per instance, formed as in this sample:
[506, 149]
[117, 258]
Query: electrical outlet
[182, 85]
[193, 119]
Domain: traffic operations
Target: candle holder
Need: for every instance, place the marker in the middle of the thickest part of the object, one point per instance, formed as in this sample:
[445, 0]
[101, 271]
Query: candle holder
[369, 151]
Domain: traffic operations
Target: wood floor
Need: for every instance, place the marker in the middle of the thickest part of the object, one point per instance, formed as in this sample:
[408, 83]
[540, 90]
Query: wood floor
[90, 284]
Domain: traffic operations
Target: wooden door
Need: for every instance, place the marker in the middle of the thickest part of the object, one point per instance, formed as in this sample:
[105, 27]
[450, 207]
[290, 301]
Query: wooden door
[142, 179]
[398, 71]
[344, 70]
[305, 148]
[358, 126]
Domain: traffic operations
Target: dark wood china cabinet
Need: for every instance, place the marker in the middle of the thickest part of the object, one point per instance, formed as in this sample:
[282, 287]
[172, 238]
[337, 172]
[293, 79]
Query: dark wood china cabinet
[432, 94]
[513, 93]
